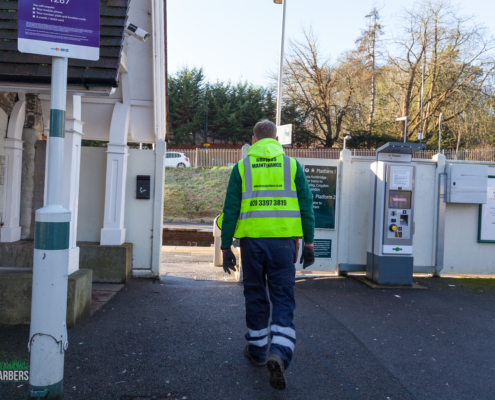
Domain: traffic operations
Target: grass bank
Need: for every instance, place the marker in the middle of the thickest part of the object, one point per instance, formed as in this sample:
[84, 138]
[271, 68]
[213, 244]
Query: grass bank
[195, 195]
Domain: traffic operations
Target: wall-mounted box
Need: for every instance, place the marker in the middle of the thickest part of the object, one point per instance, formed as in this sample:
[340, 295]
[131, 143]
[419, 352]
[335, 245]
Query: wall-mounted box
[467, 183]
[143, 187]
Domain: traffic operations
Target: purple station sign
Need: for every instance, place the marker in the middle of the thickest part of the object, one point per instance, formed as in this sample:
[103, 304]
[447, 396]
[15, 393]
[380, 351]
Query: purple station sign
[60, 28]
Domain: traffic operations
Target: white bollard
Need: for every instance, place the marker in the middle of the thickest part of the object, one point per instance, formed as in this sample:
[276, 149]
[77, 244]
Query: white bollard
[238, 274]
[217, 254]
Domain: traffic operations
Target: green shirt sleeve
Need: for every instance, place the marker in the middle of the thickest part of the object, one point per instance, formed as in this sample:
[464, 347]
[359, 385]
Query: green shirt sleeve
[231, 207]
[305, 198]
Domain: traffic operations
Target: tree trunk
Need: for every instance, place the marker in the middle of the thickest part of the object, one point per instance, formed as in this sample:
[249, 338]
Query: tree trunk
[373, 85]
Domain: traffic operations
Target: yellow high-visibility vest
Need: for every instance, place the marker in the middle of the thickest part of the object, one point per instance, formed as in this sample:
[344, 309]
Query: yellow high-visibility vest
[269, 207]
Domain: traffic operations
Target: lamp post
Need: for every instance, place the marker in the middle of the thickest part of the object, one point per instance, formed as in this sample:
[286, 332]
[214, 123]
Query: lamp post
[405, 126]
[281, 66]
[348, 137]
[420, 135]
[440, 132]
[206, 122]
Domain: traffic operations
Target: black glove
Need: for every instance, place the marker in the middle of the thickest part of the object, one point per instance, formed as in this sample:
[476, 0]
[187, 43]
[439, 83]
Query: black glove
[308, 256]
[228, 261]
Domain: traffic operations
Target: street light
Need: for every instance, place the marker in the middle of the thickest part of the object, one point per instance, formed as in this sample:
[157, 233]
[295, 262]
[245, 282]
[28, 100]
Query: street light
[348, 137]
[421, 133]
[405, 126]
[440, 132]
[281, 66]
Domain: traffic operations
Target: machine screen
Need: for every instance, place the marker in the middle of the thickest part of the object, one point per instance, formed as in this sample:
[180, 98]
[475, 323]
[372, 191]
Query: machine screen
[399, 199]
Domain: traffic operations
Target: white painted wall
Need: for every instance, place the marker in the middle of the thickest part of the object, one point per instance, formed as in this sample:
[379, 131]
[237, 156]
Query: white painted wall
[139, 213]
[463, 255]
[91, 193]
[138, 220]
[359, 186]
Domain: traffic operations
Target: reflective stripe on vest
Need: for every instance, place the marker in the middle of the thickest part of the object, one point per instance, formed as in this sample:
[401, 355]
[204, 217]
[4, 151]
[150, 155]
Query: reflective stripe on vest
[270, 214]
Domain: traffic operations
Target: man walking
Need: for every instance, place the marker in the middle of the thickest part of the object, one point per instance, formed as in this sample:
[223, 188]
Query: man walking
[268, 205]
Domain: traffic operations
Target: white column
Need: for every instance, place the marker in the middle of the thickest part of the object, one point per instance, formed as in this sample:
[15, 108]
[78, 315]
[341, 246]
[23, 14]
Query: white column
[11, 230]
[159, 193]
[245, 149]
[160, 117]
[439, 217]
[113, 232]
[72, 171]
[344, 207]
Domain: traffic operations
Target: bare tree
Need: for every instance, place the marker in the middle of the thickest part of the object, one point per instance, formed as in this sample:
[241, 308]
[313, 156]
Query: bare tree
[324, 91]
[364, 90]
[458, 58]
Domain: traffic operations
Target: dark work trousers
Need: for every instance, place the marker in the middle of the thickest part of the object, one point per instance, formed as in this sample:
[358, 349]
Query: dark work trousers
[269, 260]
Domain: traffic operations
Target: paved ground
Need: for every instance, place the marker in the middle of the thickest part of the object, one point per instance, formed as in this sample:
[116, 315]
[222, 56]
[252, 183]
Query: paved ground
[183, 338]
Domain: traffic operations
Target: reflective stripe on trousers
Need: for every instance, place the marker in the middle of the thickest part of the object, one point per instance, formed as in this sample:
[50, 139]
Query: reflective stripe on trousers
[258, 338]
[283, 336]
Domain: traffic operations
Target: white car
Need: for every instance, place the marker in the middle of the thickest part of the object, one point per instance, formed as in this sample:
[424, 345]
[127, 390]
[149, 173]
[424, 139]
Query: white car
[177, 160]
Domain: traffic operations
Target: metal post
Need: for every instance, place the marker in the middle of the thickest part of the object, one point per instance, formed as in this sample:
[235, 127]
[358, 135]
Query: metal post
[440, 132]
[422, 91]
[442, 208]
[48, 332]
[405, 126]
[281, 68]
[206, 124]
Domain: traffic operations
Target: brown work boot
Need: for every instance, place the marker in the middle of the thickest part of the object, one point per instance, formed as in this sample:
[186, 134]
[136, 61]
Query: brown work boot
[248, 354]
[276, 367]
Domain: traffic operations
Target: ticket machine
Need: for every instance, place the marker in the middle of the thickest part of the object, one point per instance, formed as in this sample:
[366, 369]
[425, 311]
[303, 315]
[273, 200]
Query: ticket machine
[391, 215]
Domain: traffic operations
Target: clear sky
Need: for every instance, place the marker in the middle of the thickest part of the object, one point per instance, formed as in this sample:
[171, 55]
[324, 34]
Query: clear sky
[240, 39]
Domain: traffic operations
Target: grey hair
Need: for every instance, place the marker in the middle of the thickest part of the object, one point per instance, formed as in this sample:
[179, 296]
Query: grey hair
[265, 129]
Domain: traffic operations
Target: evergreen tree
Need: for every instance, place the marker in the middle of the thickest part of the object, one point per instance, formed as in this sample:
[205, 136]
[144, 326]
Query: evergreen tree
[186, 103]
[233, 109]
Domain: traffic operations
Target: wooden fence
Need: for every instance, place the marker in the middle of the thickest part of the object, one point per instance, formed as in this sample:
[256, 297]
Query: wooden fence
[207, 158]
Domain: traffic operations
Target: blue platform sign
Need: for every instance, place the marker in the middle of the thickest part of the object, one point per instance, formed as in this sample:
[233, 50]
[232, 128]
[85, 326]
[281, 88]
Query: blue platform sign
[60, 28]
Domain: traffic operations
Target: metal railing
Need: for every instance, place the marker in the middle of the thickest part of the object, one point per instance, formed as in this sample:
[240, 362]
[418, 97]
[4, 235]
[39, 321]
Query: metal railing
[207, 158]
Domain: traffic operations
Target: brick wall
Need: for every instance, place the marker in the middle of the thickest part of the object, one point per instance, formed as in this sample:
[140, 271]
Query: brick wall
[187, 237]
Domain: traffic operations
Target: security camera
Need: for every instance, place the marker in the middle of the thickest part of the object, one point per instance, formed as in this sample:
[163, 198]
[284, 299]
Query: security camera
[137, 32]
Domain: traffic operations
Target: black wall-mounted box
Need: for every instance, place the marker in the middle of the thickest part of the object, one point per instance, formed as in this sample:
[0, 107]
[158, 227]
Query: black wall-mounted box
[143, 187]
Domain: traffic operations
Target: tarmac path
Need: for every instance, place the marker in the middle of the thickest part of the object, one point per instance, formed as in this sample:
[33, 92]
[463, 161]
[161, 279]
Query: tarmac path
[183, 338]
